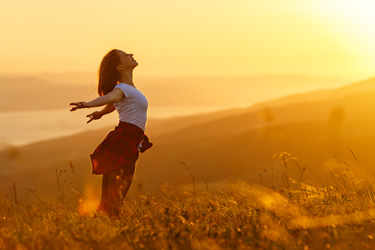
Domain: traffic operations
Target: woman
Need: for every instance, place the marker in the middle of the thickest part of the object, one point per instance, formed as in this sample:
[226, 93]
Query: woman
[115, 157]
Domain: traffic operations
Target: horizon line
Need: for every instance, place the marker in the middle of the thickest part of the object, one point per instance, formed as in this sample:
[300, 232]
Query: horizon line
[24, 74]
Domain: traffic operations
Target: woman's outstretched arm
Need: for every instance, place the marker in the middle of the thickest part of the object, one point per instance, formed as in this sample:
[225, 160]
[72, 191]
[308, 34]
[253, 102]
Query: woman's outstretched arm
[114, 96]
[98, 114]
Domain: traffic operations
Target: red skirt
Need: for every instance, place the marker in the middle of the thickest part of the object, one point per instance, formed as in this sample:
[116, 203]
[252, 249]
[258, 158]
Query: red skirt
[119, 149]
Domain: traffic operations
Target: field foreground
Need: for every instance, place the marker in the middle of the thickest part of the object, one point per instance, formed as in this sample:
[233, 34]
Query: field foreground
[297, 215]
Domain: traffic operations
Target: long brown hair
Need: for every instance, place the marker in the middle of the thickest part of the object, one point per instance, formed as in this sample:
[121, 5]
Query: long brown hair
[108, 76]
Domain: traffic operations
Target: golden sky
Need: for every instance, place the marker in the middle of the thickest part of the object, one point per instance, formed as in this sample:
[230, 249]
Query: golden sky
[331, 38]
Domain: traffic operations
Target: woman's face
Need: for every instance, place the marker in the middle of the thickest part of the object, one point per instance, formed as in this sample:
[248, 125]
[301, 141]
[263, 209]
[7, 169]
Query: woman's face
[127, 60]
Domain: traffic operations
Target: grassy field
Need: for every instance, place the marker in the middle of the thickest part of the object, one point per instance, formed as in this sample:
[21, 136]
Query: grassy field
[288, 214]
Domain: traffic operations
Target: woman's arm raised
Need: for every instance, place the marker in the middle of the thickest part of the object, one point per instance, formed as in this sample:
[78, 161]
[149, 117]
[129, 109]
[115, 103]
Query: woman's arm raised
[98, 114]
[114, 96]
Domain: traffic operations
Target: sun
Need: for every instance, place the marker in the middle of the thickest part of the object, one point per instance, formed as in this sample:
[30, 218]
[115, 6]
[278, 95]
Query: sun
[354, 17]
[359, 10]
[351, 23]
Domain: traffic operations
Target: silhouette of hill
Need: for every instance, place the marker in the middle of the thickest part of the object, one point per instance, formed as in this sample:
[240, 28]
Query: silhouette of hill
[314, 132]
[30, 93]
[54, 91]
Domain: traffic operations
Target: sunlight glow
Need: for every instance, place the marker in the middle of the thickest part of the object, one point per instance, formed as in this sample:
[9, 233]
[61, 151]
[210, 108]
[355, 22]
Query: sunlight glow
[351, 22]
[314, 37]
[353, 18]
[88, 205]
[357, 10]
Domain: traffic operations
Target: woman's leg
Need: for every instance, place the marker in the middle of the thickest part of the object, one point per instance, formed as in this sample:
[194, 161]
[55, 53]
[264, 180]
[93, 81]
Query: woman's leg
[118, 186]
[103, 205]
[126, 180]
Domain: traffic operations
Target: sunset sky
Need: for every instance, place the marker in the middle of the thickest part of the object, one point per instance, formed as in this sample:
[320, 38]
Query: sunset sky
[329, 38]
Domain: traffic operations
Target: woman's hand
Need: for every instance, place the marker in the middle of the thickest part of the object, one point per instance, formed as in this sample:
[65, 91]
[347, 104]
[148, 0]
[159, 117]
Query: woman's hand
[94, 116]
[78, 105]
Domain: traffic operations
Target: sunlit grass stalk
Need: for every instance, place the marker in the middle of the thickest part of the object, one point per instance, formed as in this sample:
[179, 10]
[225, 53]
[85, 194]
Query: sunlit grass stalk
[78, 190]
[270, 180]
[264, 179]
[206, 184]
[192, 177]
[286, 172]
[15, 193]
[355, 157]
[58, 176]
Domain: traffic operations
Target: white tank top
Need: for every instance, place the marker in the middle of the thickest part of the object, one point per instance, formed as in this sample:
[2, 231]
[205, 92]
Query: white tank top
[132, 108]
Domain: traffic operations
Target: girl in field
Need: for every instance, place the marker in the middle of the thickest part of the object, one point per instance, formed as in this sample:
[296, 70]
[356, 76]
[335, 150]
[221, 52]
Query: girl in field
[116, 156]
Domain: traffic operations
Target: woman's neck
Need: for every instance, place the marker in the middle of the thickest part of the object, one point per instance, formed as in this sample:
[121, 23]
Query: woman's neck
[127, 77]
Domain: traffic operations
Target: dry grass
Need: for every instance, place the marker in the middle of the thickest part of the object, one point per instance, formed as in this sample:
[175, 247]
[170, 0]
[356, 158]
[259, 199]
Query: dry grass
[291, 214]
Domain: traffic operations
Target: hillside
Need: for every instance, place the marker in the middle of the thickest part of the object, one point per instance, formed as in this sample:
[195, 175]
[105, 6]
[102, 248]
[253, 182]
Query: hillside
[232, 145]
[315, 132]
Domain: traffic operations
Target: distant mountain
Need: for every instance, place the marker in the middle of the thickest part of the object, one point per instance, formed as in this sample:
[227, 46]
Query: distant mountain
[321, 95]
[30, 93]
[53, 91]
[321, 129]
[231, 91]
